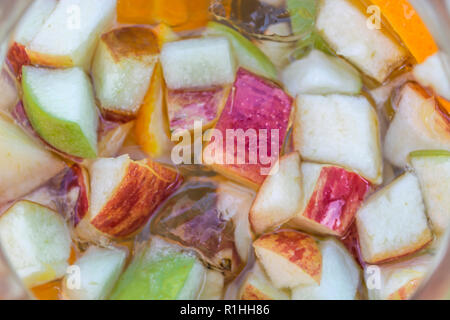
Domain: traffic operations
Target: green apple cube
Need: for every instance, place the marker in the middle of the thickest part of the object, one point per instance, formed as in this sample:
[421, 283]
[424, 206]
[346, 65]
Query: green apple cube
[319, 73]
[161, 271]
[36, 241]
[248, 55]
[198, 63]
[99, 269]
[61, 108]
[432, 167]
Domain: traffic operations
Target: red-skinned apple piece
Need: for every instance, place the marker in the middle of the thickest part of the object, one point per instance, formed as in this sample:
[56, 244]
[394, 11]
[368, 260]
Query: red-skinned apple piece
[254, 105]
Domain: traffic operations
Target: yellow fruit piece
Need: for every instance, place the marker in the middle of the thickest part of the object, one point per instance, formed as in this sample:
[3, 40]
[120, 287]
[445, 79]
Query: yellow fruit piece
[151, 129]
[407, 23]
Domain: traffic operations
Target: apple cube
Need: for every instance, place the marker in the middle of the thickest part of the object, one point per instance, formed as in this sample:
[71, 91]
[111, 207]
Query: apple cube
[248, 55]
[290, 258]
[124, 194]
[431, 73]
[331, 198]
[279, 198]
[418, 124]
[397, 281]
[319, 73]
[152, 129]
[70, 34]
[433, 170]
[340, 130]
[36, 241]
[198, 63]
[185, 107]
[393, 223]
[27, 28]
[161, 271]
[341, 276]
[344, 26]
[122, 68]
[25, 164]
[214, 286]
[257, 115]
[202, 217]
[257, 286]
[99, 269]
[61, 108]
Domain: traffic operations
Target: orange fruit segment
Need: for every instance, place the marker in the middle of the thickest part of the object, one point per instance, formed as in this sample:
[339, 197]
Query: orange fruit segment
[48, 291]
[181, 14]
[445, 104]
[407, 23]
[151, 130]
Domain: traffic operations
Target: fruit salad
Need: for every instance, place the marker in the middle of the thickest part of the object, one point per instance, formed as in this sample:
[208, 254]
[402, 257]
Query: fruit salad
[254, 150]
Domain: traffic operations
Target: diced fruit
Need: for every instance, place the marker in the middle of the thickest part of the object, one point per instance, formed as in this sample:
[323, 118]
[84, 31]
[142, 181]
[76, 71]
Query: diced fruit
[124, 194]
[69, 36]
[319, 73]
[25, 165]
[200, 218]
[29, 25]
[398, 281]
[341, 130]
[214, 284]
[257, 286]
[248, 55]
[433, 170]
[61, 108]
[290, 258]
[122, 68]
[198, 63]
[279, 197]
[341, 276]
[185, 107]
[36, 242]
[371, 50]
[260, 110]
[407, 23]
[152, 130]
[99, 269]
[431, 73]
[418, 124]
[393, 223]
[111, 142]
[331, 198]
[161, 271]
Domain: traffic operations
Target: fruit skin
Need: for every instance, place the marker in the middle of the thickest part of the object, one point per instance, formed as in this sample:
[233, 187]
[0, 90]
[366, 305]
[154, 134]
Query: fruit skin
[257, 286]
[432, 167]
[376, 54]
[139, 188]
[392, 223]
[297, 249]
[408, 25]
[248, 55]
[341, 276]
[161, 271]
[198, 63]
[36, 241]
[99, 269]
[61, 43]
[184, 107]
[25, 164]
[353, 142]
[75, 135]
[122, 68]
[279, 198]
[419, 124]
[254, 104]
[152, 130]
[319, 73]
[332, 196]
